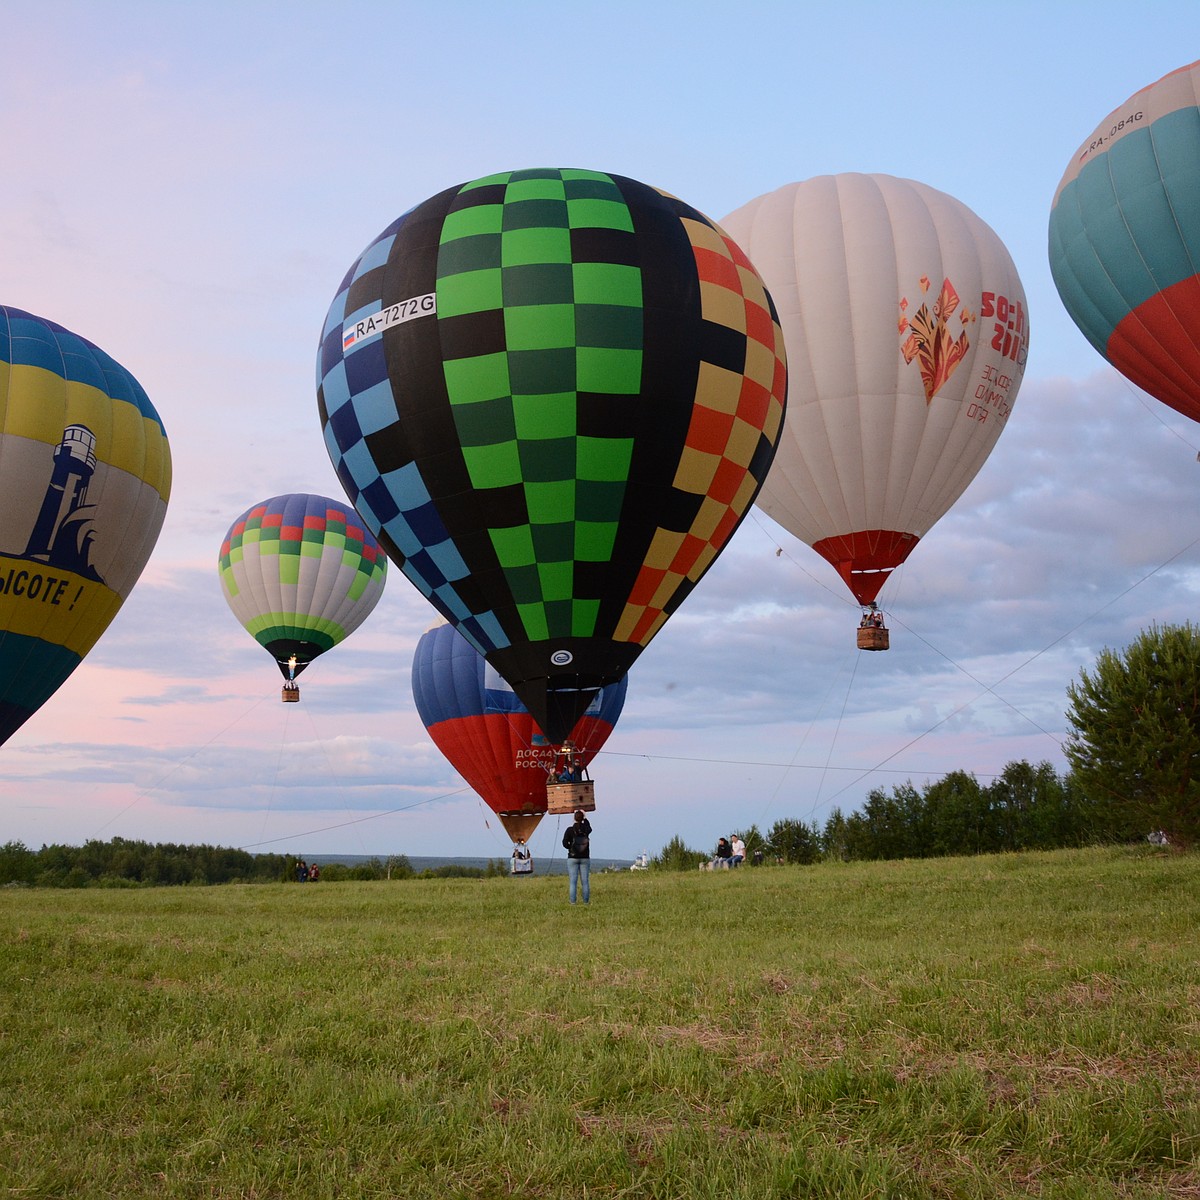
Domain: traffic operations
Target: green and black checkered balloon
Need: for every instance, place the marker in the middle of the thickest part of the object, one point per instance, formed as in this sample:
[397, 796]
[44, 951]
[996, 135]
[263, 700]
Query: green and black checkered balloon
[552, 394]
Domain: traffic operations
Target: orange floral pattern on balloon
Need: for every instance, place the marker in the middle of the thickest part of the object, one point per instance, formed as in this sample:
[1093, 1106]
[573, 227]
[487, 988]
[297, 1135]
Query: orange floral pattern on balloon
[929, 341]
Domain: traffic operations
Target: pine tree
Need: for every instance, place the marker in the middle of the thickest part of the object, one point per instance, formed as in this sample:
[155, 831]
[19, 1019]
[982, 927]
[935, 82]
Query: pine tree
[1134, 746]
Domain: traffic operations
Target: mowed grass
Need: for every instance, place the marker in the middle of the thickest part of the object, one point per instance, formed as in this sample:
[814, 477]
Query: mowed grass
[1025, 1025]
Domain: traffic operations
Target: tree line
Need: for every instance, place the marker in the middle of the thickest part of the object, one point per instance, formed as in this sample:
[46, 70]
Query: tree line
[124, 863]
[1025, 808]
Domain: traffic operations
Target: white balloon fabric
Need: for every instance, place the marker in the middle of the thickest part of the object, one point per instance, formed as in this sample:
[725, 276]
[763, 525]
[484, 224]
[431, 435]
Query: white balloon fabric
[907, 331]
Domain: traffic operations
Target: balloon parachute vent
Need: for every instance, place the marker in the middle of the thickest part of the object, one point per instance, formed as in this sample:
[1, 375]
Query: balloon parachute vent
[873, 637]
[291, 694]
[565, 798]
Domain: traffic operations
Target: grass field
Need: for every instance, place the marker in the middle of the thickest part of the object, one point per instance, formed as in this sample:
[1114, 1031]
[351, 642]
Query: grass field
[1025, 1025]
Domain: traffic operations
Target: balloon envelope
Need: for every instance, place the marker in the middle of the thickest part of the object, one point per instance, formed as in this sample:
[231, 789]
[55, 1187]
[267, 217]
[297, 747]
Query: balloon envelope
[477, 721]
[83, 494]
[907, 333]
[300, 572]
[1125, 239]
[553, 394]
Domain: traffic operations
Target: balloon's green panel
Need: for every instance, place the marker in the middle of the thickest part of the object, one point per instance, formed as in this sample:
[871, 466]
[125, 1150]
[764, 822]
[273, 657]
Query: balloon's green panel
[552, 394]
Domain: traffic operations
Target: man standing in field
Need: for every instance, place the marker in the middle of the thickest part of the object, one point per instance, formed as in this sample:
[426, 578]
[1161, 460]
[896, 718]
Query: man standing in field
[576, 842]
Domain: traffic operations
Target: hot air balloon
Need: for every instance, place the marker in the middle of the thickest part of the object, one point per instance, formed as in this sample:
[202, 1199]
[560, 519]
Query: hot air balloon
[907, 333]
[83, 494]
[480, 725]
[1125, 239]
[553, 395]
[300, 572]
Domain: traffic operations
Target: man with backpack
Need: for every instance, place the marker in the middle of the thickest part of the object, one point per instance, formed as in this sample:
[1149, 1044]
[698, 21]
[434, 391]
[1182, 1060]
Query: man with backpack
[577, 843]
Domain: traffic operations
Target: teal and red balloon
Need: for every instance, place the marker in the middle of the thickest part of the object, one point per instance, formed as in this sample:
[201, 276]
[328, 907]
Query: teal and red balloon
[552, 395]
[1125, 239]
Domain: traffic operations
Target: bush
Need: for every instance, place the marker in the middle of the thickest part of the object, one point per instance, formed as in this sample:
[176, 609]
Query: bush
[675, 856]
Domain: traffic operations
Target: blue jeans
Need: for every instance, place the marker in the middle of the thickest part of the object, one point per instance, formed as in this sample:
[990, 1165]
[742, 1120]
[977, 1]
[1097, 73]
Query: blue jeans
[578, 870]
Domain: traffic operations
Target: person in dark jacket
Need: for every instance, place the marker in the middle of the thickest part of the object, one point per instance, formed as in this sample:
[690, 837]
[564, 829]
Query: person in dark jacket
[577, 843]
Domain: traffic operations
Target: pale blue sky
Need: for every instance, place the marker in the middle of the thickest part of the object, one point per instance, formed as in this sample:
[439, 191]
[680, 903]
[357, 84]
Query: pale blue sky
[185, 184]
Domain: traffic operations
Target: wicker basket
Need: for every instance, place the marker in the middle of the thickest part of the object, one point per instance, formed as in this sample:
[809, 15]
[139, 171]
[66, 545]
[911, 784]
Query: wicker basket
[567, 797]
[872, 637]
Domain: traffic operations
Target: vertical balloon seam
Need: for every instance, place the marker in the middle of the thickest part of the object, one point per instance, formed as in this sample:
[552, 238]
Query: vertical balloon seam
[927, 442]
[263, 586]
[1133, 308]
[916, 237]
[45, 674]
[840, 184]
[993, 266]
[1169, 293]
[253, 582]
[928, 505]
[6, 356]
[106, 437]
[801, 409]
[807, 407]
[343, 564]
[293, 566]
[44, 663]
[41, 665]
[330, 590]
[893, 467]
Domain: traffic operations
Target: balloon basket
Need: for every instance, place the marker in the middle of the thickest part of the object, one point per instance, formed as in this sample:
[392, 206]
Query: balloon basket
[291, 694]
[562, 798]
[873, 637]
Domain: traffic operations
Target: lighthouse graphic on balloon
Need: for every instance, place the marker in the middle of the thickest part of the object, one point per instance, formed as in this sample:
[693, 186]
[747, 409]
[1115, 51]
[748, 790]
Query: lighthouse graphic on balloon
[62, 535]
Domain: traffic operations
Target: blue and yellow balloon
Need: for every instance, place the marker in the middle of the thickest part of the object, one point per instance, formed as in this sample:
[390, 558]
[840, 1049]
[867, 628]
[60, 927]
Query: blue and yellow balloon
[83, 494]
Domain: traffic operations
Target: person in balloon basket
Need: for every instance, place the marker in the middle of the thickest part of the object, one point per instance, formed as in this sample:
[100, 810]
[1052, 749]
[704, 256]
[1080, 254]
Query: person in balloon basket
[569, 768]
[522, 859]
[577, 843]
[872, 618]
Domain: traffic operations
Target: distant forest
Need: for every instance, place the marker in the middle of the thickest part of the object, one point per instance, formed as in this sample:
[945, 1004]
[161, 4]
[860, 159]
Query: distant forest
[1026, 807]
[123, 863]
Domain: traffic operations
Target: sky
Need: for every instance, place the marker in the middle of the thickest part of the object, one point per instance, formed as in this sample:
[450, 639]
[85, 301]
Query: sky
[185, 185]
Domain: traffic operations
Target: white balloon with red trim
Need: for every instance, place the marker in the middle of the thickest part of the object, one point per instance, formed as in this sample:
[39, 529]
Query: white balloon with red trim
[907, 331]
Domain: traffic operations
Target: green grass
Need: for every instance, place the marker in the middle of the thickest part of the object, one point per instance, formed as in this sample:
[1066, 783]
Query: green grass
[1006, 1026]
